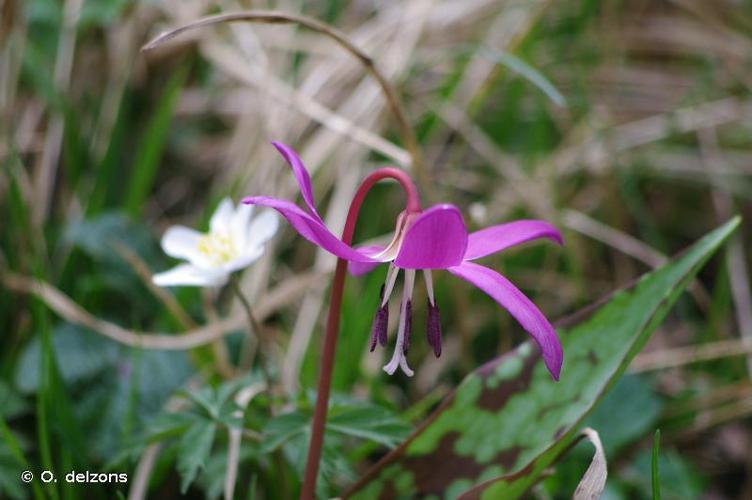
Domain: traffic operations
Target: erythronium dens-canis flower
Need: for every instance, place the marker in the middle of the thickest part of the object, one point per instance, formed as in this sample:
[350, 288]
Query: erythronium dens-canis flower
[427, 240]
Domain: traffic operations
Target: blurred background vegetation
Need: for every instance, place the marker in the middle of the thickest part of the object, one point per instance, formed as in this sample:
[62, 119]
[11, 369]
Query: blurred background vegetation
[624, 122]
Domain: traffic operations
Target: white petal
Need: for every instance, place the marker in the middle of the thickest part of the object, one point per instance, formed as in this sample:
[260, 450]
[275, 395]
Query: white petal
[262, 228]
[188, 275]
[182, 242]
[244, 260]
[241, 221]
[221, 220]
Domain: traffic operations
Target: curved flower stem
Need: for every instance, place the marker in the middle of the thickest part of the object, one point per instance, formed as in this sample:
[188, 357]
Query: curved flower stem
[308, 490]
[273, 17]
[255, 329]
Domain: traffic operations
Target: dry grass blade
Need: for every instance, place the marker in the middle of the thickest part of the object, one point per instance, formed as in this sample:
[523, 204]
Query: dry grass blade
[235, 435]
[142, 473]
[595, 150]
[629, 245]
[48, 162]
[577, 221]
[680, 356]
[303, 103]
[72, 312]
[738, 410]
[737, 265]
[142, 270]
[272, 17]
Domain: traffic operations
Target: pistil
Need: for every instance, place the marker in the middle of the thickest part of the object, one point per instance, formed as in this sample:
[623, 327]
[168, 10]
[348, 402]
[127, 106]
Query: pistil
[398, 358]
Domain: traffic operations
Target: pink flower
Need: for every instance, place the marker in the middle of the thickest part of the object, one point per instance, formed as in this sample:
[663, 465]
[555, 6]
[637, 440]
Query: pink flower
[433, 239]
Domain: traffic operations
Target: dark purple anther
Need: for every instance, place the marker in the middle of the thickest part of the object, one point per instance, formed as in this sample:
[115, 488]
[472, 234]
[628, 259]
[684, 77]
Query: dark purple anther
[378, 328]
[433, 328]
[408, 325]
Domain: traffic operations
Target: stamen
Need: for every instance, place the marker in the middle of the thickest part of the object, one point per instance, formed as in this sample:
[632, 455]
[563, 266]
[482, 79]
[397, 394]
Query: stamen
[381, 319]
[429, 285]
[379, 326]
[433, 328]
[398, 358]
[391, 278]
[382, 331]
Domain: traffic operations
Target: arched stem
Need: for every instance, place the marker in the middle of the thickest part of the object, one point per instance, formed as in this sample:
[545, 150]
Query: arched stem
[308, 490]
[273, 17]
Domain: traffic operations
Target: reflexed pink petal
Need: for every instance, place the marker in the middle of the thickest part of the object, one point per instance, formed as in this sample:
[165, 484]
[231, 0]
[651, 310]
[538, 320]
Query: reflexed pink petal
[301, 175]
[520, 307]
[496, 238]
[360, 268]
[309, 227]
[436, 240]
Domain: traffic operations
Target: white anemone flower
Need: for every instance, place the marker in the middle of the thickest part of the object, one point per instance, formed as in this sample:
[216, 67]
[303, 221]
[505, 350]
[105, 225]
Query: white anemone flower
[234, 241]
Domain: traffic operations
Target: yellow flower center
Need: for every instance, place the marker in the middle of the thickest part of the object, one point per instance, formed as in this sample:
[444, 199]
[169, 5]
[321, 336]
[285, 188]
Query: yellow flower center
[219, 248]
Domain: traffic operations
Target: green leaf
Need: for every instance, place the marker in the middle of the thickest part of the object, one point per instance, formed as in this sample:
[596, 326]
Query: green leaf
[193, 451]
[679, 479]
[79, 354]
[508, 421]
[98, 236]
[216, 403]
[11, 403]
[526, 71]
[654, 466]
[283, 428]
[149, 153]
[629, 411]
[370, 422]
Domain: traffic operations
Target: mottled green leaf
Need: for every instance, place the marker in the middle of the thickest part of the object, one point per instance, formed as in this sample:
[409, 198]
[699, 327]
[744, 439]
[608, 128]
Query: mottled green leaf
[508, 421]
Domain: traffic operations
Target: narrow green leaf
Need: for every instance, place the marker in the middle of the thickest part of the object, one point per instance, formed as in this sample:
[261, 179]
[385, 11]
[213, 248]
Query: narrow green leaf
[252, 487]
[44, 395]
[654, 468]
[193, 451]
[150, 151]
[526, 71]
[508, 421]
[107, 182]
[12, 448]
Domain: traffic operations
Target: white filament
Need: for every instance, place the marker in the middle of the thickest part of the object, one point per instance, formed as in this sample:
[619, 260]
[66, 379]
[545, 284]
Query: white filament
[391, 278]
[398, 358]
[429, 285]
